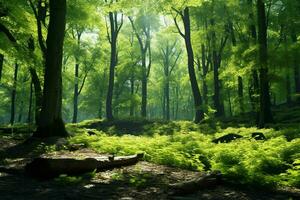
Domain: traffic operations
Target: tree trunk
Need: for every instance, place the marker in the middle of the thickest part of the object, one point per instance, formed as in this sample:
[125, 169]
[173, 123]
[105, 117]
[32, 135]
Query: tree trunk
[21, 112]
[29, 116]
[296, 68]
[216, 56]
[1, 65]
[265, 115]
[177, 102]
[204, 73]
[75, 98]
[50, 122]
[252, 28]
[144, 85]
[38, 93]
[241, 94]
[199, 114]
[13, 95]
[114, 30]
[167, 99]
[131, 112]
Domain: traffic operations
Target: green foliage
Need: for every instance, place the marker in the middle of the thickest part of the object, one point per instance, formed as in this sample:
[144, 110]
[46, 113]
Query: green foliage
[261, 163]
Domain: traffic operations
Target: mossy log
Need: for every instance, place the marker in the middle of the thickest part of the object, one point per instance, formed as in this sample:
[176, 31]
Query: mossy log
[209, 180]
[49, 167]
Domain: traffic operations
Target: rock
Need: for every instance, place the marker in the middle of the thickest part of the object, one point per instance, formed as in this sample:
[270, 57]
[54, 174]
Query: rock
[258, 136]
[227, 138]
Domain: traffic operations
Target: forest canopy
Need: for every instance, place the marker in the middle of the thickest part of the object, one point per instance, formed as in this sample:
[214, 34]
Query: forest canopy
[172, 60]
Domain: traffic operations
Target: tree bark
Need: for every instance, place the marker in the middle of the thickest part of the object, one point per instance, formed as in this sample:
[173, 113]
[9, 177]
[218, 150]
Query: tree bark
[45, 168]
[75, 97]
[37, 92]
[29, 115]
[50, 122]
[265, 115]
[113, 36]
[131, 112]
[144, 87]
[241, 94]
[204, 74]
[13, 95]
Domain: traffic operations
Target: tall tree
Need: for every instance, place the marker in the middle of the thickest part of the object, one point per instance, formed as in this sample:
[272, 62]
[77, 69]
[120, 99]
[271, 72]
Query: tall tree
[186, 35]
[170, 56]
[143, 35]
[115, 27]
[265, 115]
[13, 95]
[51, 123]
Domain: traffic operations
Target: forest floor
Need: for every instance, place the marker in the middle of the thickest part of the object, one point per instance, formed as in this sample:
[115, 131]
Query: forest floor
[165, 144]
[142, 181]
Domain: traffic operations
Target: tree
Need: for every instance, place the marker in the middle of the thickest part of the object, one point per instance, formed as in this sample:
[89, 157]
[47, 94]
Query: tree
[186, 35]
[143, 35]
[51, 123]
[115, 27]
[265, 115]
[170, 55]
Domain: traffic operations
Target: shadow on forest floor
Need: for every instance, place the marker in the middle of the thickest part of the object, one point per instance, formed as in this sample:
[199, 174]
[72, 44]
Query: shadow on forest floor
[142, 181]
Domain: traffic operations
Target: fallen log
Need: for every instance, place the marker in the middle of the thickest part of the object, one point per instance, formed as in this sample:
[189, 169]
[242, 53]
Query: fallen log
[204, 182]
[46, 168]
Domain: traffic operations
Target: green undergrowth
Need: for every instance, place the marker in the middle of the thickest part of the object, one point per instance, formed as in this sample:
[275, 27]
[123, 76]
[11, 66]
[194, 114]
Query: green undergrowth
[274, 162]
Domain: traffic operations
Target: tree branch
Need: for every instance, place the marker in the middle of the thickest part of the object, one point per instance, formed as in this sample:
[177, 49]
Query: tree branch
[7, 33]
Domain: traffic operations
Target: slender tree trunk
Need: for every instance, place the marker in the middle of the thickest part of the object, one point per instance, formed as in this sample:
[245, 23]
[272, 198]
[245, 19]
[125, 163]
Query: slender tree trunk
[29, 115]
[114, 31]
[199, 114]
[37, 92]
[216, 65]
[131, 112]
[21, 112]
[254, 84]
[204, 73]
[296, 67]
[241, 94]
[164, 103]
[252, 28]
[75, 98]
[265, 115]
[144, 86]
[1, 65]
[50, 122]
[167, 99]
[177, 102]
[109, 112]
[13, 95]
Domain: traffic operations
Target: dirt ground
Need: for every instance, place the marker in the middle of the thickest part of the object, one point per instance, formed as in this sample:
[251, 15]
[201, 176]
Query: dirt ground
[141, 181]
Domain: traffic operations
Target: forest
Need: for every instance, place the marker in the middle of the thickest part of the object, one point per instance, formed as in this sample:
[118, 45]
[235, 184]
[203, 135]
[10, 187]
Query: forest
[150, 99]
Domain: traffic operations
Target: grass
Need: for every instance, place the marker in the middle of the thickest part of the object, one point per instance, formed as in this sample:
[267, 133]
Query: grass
[274, 162]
